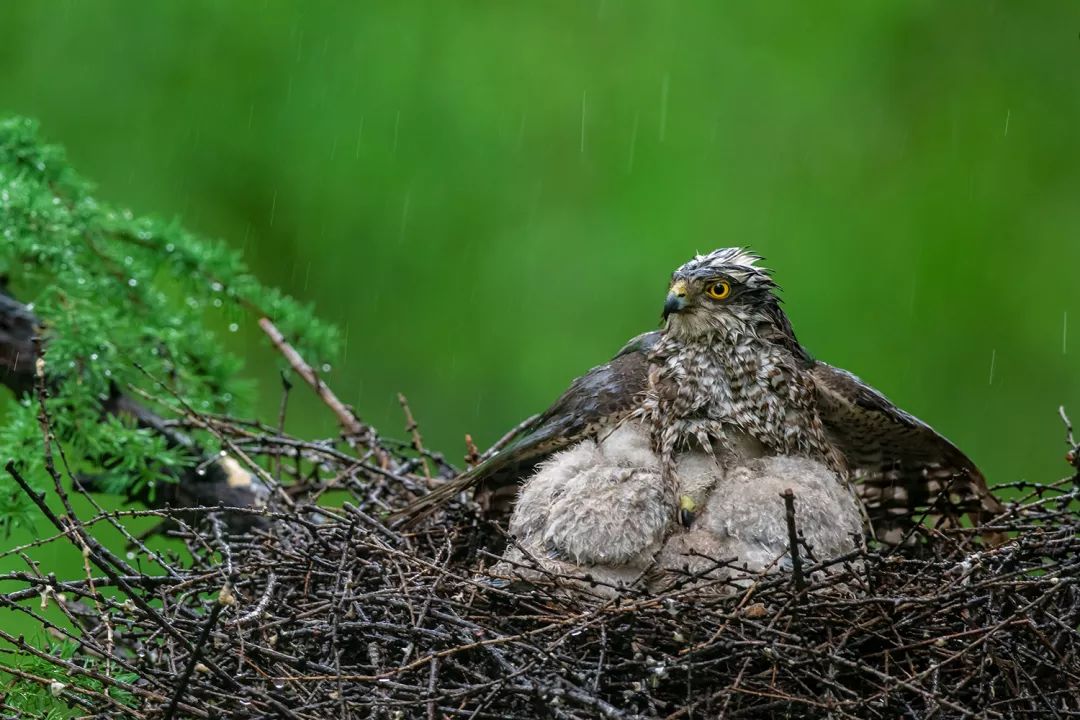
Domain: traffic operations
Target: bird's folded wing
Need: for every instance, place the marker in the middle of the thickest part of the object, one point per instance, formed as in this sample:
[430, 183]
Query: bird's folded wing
[595, 401]
[905, 470]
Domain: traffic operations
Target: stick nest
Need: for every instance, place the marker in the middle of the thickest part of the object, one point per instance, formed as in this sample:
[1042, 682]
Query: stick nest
[312, 607]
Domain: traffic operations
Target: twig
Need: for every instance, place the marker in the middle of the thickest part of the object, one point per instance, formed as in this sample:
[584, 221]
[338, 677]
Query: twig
[181, 686]
[413, 429]
[286, 386]
[203, 423]
[472, 453]
[354, 429]
[793, 540]
[1073, 455]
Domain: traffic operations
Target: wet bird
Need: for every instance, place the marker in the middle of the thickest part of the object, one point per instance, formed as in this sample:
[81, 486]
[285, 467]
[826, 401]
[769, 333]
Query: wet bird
[723, 396]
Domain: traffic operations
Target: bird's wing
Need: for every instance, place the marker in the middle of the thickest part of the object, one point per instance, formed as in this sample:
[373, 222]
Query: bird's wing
[601, 397]
[904, 468]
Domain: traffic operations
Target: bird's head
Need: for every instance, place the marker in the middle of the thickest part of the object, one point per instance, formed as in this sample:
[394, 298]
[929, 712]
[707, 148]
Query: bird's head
[721, 292]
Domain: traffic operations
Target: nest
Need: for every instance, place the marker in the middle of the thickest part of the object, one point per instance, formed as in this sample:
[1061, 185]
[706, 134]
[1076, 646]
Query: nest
[312, 607]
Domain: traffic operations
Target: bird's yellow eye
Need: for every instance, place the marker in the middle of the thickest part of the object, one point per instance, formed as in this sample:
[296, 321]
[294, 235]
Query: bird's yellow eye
[718, 290]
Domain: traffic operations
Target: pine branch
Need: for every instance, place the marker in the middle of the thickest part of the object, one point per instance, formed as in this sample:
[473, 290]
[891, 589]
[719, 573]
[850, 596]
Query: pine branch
[206, 481]
[111, 294]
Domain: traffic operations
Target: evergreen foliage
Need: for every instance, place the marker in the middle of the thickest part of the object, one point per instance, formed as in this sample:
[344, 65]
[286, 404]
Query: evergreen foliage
[126, 302]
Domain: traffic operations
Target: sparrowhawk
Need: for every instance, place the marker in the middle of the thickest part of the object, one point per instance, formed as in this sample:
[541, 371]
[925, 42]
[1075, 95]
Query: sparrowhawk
[715, 413]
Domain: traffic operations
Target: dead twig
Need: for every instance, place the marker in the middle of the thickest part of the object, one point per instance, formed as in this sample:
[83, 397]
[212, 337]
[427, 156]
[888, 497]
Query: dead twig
[793, 540]
[355, 430]
[472, 453]
[1073, 455]
[413, 429]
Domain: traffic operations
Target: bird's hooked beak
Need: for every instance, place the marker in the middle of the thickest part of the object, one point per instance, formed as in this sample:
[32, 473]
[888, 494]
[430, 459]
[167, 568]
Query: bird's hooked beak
[676, 298]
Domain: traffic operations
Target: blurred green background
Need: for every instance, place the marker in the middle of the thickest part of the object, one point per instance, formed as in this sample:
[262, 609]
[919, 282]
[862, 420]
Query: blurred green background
[488, 197]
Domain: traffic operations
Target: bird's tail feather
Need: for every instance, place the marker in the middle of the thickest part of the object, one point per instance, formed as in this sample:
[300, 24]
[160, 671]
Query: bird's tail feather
[493, 467]
[421, 508]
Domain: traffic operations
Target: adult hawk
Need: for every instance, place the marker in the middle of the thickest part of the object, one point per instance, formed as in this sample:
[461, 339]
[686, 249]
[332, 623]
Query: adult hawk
[726, 382]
